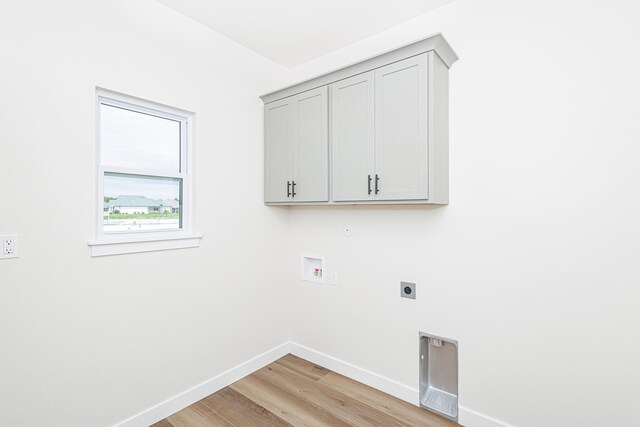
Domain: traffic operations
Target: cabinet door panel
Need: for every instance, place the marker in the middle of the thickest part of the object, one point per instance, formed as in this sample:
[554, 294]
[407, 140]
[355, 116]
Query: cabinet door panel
[352, 137]
[278, 150]
[311, 146]
[401, 156]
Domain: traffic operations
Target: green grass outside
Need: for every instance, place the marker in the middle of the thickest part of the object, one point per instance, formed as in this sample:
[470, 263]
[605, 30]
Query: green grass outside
[152, 215]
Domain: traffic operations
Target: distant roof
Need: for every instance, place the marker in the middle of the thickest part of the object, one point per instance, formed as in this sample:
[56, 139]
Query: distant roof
[171, 203]
[135, 202]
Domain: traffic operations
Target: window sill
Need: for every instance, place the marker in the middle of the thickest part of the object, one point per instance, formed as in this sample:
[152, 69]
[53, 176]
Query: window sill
[142, 244]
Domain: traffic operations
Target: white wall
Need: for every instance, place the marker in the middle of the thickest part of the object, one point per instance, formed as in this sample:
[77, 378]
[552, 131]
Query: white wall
[533, 266]
[91, 341]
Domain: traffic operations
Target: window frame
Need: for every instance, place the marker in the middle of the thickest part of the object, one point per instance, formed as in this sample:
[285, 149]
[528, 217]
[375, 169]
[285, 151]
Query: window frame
[111, 243]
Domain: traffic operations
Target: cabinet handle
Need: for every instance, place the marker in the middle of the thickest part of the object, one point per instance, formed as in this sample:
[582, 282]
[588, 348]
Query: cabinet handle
[293, 189]
[377, 180]
[288, 189]
[368, 184]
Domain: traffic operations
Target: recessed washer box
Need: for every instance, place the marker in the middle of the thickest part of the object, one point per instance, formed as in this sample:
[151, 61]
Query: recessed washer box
[439, 375]
[312, 268]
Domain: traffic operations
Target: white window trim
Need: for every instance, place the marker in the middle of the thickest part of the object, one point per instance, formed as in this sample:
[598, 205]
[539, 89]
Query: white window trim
[146, 241]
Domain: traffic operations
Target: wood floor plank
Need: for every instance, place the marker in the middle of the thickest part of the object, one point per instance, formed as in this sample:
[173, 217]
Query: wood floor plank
[295, 392]
[286, 405]
[198, 415]
[340, 405]
[303, 367]
[398, 409]
[214, 417]
[240, 410]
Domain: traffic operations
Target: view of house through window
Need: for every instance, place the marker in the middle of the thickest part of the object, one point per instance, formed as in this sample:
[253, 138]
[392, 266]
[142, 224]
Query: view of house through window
[133, 203]
[141, 167]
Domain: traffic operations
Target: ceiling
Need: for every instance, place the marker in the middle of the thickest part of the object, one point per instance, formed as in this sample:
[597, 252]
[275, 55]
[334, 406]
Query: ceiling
[291, 32]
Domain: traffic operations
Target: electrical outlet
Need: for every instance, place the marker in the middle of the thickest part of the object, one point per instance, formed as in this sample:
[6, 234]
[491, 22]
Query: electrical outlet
[408, 290]
[9, 246]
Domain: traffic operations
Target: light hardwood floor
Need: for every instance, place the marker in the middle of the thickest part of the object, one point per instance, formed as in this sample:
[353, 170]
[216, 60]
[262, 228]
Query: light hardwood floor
[294, 392]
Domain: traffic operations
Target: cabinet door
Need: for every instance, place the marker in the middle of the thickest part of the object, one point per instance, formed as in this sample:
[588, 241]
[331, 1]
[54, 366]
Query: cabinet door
[311, 146]
[278, 150]
[401, 156]
[352, 138]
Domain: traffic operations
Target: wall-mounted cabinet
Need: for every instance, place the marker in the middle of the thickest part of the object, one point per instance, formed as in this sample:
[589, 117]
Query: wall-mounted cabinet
[352, 130]
[386, 140]
[297, 148]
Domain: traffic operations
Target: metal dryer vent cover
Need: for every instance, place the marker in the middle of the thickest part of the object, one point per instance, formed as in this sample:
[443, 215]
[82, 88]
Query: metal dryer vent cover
[439, 375]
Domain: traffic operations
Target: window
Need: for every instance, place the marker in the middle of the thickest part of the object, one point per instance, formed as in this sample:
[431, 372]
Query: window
[144, 182]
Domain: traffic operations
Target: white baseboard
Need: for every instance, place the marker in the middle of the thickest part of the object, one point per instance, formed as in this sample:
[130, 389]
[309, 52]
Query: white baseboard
[200, 391]
[466, 416]
[471, 418]
[172, 405]
[369, 378]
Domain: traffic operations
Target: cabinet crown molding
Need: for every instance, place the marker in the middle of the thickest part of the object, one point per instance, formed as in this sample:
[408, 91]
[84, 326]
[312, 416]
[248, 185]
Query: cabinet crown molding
[436, 43]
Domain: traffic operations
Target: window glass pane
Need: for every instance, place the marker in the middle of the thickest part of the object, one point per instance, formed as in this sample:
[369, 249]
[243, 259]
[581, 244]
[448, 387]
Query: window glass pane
[129, 139]
[141, 203]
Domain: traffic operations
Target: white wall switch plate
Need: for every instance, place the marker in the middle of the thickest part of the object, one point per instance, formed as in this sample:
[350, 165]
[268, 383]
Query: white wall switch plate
[333, 277]
[9, 246]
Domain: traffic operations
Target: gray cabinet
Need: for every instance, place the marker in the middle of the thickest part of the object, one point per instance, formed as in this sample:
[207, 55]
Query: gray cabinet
[278, 155]
[352, 137]
[379, 134]
[311, 146]
[388, 132]
[297, 148]
[401, 166]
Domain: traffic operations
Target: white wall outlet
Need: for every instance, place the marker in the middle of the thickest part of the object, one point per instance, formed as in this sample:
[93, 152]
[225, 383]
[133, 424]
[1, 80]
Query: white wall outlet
[9, 246]
[348, 230]
[333, 277]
